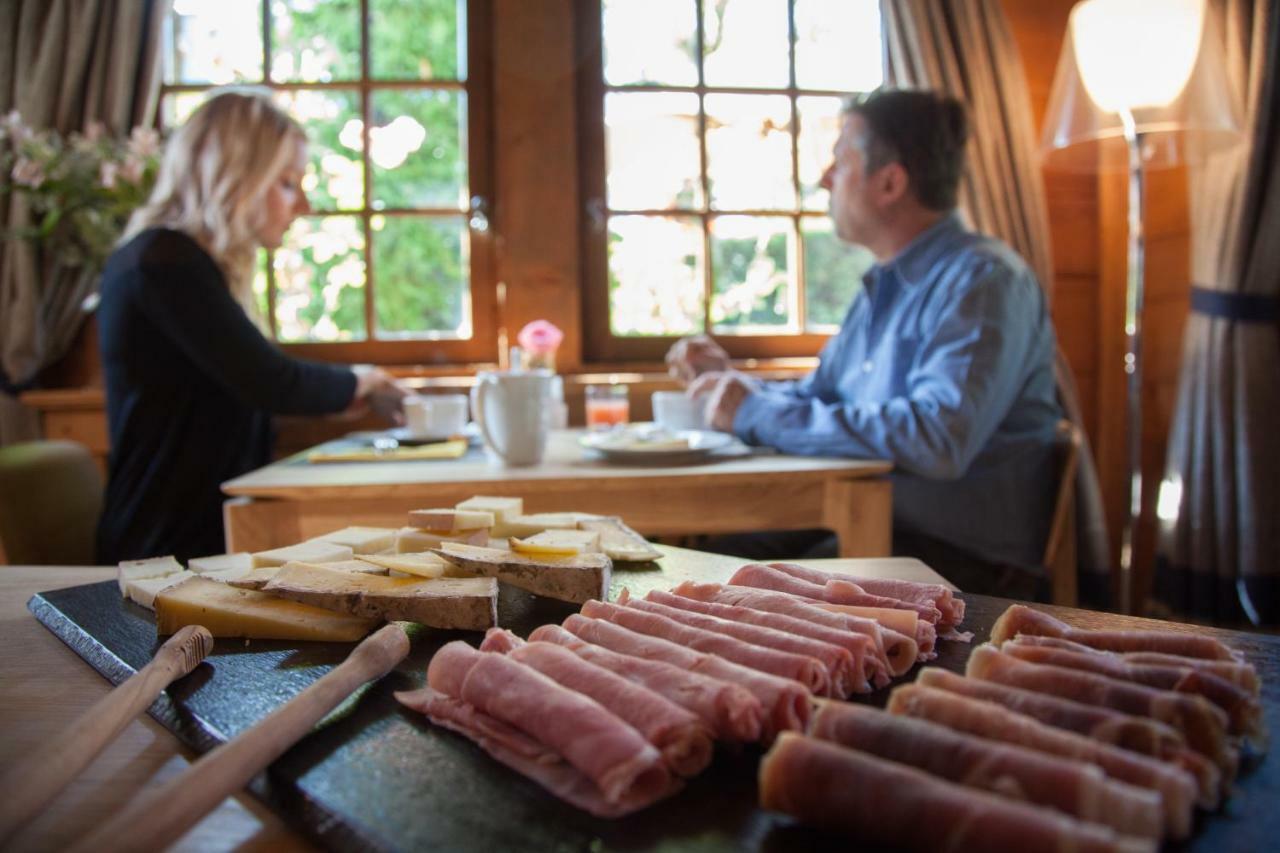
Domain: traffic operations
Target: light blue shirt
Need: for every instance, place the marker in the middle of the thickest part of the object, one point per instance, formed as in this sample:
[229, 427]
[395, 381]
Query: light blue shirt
[944, 366]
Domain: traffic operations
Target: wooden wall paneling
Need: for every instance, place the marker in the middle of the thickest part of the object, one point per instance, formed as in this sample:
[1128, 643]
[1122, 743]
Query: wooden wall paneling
[1110, 448]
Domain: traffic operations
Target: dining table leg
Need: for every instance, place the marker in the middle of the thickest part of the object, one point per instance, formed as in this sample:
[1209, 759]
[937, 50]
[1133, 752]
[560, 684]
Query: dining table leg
[860, 512]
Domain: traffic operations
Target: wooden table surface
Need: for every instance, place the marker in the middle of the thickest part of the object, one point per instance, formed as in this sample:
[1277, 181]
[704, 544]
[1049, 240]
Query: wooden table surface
[292, 500]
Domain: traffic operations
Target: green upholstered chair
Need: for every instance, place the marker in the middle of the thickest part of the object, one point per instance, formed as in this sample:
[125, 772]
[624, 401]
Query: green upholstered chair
[50, 497]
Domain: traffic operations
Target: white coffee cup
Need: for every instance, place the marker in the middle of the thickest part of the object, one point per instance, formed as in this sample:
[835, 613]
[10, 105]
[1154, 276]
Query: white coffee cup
[676, 410]
[511, 409]
[435, 415]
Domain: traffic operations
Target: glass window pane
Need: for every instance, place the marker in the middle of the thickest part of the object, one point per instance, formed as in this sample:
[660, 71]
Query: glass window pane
[654, 160]
[655, 275]
[320, 277]
[833, 273]
[819, 128]
[749, 152]
[838, 45]
[745, 43]
[315, 41]
[214, 41]
[177, 107]
[751, 274]
[331, 117]
[423, 287]
[418, 146]
[418, 39]
[650, 41]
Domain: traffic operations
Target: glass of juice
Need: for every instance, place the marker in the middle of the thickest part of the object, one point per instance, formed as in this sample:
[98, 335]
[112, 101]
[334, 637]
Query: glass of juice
[607, 406]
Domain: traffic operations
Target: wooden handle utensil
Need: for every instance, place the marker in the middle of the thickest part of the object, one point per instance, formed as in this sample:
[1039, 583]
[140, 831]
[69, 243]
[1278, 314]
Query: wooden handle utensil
[155, 821]
[33, 782]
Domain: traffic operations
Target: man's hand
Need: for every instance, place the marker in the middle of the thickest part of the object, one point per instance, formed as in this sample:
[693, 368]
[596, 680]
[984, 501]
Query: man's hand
[379, 392]
[693, 356]
[724, 392]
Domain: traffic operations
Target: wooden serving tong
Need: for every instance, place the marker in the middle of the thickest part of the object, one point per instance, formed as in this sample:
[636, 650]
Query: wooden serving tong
[155, 821]
[30, 784]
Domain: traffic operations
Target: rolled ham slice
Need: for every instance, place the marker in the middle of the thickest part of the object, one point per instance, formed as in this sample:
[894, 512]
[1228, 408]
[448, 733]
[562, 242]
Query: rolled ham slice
[986, 719]
[1243, 710]
[682, 738]
[1020, 619]
[906, 622]
[888, 804]
[833, 591]
[930, 594]
[786, 702]
[842, 677]
[1074, 787]
[804, 669]
[625, 768]
[1203, 724]
[732, 712]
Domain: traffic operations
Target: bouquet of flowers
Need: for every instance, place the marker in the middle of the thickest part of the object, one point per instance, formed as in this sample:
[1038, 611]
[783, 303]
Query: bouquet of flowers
[80, 189]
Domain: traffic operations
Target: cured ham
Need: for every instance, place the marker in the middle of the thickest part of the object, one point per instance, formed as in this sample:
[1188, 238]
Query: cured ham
[1075, 787]
[842, 677]
[469, 690]
[1203, 724]
[906, 622]
[833, 591]
[804, 669]
[786, 702]
[1020, 619]
[682, 738]
[932, 594]
[732, 712]
[1176, 787]
[885, 803]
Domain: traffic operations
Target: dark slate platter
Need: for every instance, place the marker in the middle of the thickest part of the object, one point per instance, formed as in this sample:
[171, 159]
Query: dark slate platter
[377, 776]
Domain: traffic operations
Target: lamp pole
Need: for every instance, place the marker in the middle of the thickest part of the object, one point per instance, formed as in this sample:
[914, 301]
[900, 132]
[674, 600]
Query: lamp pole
[1133, 356]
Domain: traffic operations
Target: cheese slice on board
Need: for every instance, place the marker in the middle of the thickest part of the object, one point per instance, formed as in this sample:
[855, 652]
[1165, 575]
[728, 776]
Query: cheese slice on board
[552, 542]
[254, 578]
[143, 591]
[502, 509]
[424, 565]
[411, 540]
[230, 612]
[619, 541]
[578, 578]
[469, 604]
[311, 551]
[258, 578]
[221, 563]
[523, 526]
[450, 522]
[154, 567]
[362, 540]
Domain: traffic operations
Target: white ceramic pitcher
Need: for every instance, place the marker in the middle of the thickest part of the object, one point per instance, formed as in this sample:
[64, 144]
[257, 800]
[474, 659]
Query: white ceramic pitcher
[511, 411]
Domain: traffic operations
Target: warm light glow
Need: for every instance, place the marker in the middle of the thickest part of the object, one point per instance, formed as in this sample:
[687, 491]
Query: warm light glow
[1136, 53]
[1170, 499]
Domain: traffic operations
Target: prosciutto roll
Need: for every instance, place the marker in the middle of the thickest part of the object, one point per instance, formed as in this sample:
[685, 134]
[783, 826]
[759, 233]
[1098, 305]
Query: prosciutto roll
[1074, 787]
[468, 690]
[732, 712]
[890, 804]
[805, 669]
[842, 677]
[832, 591]
[786, 702]
[931, 594]
[682, 738]
[986, 719]
[1020, 619]
[1203, 724]
[906, 622]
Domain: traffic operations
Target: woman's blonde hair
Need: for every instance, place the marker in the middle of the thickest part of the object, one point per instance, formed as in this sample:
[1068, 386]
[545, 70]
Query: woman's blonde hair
[211, 182]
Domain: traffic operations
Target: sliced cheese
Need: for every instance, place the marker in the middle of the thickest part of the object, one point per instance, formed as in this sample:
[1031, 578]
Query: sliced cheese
[578, 578]
[228, 575]
[411, 540]
[558, 542]
[523, 526]
[450, 522]
[362, 540]
[502, 510]
[144, 590]
[311, 551]
[424, 565]
[254, 578]
[360, 566]
[221, 563]
[619, 541]
[153, 567]
[230, 612]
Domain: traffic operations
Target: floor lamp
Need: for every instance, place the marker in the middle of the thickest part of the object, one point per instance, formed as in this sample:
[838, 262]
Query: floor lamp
[1139, 85]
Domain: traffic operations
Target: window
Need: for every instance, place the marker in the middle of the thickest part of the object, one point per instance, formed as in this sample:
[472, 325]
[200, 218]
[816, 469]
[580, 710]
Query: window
[394, 265]
[706, 127]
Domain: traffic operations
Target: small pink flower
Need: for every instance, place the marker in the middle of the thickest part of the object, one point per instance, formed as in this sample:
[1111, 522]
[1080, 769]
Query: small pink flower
[95, 131]
[133, 169]
[540, 337]
[107, 174]
[13, 125]
[144, 142]
[28, 173]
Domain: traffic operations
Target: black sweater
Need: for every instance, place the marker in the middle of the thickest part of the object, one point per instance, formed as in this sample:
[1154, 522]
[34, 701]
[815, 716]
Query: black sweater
[191, 384]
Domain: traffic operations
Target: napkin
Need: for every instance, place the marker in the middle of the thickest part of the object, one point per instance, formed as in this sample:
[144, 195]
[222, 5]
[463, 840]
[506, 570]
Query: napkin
[454, 448]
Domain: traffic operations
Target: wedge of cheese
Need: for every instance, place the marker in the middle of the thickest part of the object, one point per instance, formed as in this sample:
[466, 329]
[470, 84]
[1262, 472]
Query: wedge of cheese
[258, 578]
[143, 591]
[424, 565]
[502, 510]
[557, 542]
[221, 563]
[469, 604]
[619, 541]
[230, 612]
[450, 522]
[311, 551]
[524, 526]
[578, 578]
[252, 579]
[362, 540]
[411, 540]
[155, 567]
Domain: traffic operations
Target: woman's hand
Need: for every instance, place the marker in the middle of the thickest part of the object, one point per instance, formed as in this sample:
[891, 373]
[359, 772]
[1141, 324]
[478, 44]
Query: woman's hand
[379, 392]
[693, 356]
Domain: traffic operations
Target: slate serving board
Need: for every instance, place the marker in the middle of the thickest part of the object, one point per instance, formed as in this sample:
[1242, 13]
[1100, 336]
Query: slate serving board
[375, 776]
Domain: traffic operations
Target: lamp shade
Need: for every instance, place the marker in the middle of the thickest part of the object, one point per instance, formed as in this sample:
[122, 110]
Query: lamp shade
[1157, 66]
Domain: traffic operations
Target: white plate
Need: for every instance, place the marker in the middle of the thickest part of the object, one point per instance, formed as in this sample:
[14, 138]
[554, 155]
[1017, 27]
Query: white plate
[649, 444]
[402, 435]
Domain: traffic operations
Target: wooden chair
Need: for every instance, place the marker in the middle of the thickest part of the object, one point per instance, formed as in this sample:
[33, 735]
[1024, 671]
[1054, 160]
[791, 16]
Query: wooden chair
[50, 497]
[1060, 549]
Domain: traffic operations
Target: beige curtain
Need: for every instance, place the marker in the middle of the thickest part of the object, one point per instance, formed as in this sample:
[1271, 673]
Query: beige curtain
[63, 63]
[1219, 559]
[965, 48]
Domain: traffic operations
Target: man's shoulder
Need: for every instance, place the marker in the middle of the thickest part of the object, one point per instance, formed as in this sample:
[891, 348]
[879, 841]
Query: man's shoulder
[982, 252]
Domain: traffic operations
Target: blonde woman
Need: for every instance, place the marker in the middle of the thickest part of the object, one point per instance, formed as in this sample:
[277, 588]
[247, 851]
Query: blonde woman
[191, 379]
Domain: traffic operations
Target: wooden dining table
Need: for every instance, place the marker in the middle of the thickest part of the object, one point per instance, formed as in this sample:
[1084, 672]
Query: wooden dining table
[744, 489]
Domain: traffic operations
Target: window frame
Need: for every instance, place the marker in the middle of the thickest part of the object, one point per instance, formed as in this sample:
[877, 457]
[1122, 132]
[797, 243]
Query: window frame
[483, 344]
